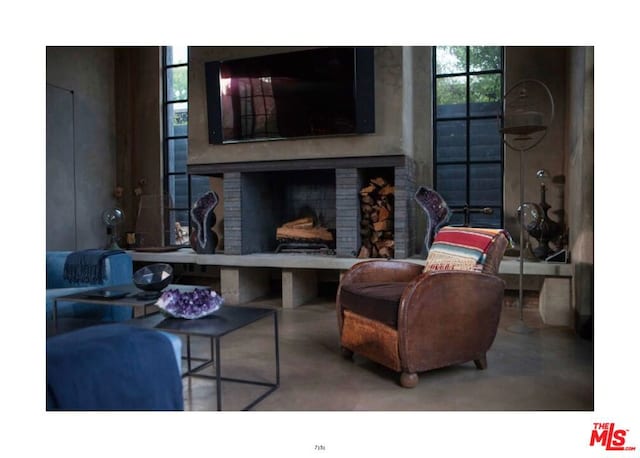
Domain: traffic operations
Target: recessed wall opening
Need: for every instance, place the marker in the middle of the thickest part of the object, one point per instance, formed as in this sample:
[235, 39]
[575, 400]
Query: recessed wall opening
[377, 203]
[272, 199]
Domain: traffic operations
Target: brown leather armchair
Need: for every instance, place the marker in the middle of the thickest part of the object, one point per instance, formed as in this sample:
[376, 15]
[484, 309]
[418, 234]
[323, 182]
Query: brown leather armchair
[409, 320]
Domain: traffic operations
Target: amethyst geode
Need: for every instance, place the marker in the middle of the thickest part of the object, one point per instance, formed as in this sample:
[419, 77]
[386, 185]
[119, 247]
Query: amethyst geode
[436, 210]
[190, 305]
[203, 239]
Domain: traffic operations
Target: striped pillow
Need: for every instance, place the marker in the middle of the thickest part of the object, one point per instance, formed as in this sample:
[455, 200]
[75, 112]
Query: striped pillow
[461, 248]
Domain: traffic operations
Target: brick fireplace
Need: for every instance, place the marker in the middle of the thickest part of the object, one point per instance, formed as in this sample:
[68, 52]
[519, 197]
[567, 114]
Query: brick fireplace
[260, 196]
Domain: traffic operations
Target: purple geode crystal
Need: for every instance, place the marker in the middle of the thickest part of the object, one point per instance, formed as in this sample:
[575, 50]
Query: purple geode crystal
[191, 305]
[436, 210]
[203, 239]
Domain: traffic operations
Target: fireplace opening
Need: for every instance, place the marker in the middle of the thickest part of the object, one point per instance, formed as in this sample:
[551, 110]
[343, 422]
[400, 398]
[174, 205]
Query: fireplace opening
[271, 200]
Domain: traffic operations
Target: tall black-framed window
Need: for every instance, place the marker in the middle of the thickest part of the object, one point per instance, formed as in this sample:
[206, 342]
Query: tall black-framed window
[179, 186]
[468, 83]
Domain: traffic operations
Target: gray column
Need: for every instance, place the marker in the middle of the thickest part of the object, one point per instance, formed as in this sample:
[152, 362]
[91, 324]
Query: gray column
[347, 212]
[232, 213]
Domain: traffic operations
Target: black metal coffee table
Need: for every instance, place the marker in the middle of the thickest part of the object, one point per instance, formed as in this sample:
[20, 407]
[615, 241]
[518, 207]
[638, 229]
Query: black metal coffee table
[126, 295]
[224, 321]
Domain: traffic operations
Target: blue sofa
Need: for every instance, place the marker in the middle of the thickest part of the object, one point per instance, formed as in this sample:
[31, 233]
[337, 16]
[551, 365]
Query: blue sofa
[118, 270]
[114, 367]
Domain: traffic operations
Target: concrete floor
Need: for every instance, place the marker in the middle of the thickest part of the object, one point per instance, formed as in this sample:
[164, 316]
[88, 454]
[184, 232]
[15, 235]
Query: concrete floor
[550, 369]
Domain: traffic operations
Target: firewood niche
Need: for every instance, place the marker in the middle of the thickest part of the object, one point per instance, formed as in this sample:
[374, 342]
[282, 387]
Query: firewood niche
[376, 219]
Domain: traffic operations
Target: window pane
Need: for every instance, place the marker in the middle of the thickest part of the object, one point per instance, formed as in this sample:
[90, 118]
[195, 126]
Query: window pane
[484, 94]
[485, 181]
[178, 191]
[451, 59]
[177, 119]
[485, 58]
[177, 83]
[177, 55]
[451, 96]
[451, 141]
[452, 183]
[199, 186]
[485, 140]
[177, 232]
[177, 155]
[457, 219]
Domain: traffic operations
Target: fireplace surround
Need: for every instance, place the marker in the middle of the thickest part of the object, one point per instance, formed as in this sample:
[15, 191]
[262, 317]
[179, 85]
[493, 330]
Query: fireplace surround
[260, 196]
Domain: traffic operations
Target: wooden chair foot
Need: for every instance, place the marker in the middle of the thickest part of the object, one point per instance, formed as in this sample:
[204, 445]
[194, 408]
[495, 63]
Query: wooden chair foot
[408, 379]
[346, 353]
[481, 363]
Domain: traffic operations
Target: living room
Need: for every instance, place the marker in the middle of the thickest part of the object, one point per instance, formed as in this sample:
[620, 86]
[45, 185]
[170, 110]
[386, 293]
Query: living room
[113, 102]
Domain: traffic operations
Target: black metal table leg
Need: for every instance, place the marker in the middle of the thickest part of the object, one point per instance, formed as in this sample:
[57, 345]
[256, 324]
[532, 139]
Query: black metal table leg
[275, 333]
[218, 378]
[188, 354]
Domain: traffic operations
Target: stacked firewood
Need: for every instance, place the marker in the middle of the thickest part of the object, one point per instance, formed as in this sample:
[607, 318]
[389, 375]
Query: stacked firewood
[376, 221]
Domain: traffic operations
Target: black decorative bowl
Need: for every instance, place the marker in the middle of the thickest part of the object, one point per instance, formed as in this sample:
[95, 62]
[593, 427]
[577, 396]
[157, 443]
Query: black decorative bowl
[154, 277]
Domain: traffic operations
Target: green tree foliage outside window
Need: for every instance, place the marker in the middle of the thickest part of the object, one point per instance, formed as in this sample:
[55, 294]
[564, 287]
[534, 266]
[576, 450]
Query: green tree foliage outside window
[452, 60]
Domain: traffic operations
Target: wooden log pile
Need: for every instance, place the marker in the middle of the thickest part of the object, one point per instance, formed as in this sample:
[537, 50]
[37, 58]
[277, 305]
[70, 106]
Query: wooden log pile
[303, 230]
[376, 219]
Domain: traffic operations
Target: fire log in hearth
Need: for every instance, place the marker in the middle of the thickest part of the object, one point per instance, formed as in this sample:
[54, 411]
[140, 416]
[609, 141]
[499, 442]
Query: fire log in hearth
[376, 221]
[303, 230]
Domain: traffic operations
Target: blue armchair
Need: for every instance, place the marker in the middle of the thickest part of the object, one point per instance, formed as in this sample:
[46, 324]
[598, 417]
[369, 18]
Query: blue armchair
[118, 269]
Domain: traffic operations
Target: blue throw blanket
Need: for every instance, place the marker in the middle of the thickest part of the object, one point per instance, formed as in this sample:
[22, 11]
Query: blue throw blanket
[112, 367]
[86, 266]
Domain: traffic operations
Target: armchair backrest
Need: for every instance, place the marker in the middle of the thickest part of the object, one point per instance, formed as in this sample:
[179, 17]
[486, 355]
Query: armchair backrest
[467, 248]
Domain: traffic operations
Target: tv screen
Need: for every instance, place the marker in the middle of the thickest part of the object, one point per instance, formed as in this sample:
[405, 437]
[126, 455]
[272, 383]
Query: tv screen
[325, 91]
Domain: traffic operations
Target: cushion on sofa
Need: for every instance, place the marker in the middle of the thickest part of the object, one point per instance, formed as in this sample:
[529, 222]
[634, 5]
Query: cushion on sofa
[377, 301]
[464, 248]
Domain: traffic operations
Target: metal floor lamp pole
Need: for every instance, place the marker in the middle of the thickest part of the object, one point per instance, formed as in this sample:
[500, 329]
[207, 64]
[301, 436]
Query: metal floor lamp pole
[521, 327]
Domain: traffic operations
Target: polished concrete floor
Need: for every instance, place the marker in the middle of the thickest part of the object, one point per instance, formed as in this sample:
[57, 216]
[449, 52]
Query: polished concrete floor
[549, 369]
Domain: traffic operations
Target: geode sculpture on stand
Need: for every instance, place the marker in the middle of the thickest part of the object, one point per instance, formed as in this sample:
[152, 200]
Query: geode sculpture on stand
[203, 239]
[436, 210]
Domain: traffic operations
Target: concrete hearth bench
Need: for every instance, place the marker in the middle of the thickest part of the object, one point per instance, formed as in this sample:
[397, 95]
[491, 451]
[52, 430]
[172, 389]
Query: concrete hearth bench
[246, 277]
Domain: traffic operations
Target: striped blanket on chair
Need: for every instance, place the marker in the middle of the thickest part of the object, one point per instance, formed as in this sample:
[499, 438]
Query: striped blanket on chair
[461, 248]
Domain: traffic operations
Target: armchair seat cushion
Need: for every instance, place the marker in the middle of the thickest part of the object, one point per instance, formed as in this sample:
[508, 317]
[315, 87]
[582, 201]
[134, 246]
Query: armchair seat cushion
[374, 300]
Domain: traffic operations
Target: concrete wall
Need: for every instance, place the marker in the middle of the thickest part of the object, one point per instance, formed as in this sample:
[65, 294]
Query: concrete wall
[391, 113]
[547, 64]
[139, 140]
[580, 182]
[419, 98]
[89, 73]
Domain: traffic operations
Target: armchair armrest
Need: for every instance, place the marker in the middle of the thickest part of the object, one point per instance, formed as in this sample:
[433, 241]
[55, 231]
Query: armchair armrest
[448, 317]
[382, 271]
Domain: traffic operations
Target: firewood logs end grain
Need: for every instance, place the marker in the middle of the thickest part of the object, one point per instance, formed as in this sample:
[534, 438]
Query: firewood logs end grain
[376, 219]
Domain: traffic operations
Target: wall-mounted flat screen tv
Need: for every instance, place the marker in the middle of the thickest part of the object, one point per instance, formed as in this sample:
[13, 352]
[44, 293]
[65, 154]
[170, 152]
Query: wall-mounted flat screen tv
[317, 92]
